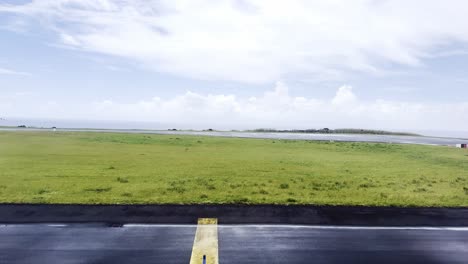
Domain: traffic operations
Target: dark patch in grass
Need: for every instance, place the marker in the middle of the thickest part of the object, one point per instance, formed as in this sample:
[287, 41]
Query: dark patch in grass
[241, 200]
[122, 180]
[284, 186]
[316, 186]
[177, 189]
[98, 190]
[43, 191]
[199, 181]
[179, 182]
[203, 196]
[210, 187]
[338, 186]
[466, 190]
[460, 179]
[420, 190]
[234, 186]
[263, 191]
[111, 168]
[291, 200]
[127, 194]
[367, 185]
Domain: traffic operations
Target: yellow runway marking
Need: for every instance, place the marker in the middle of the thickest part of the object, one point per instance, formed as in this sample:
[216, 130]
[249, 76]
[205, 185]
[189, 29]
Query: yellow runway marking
[206, 242]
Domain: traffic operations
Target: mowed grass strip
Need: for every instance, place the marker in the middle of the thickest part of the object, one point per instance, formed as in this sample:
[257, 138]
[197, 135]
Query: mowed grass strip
[113, 168]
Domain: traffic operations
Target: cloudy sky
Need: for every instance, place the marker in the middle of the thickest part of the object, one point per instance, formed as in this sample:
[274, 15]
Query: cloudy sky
[400, 65]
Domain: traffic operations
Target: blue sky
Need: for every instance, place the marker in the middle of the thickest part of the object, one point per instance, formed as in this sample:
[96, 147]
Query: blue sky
[237, 64]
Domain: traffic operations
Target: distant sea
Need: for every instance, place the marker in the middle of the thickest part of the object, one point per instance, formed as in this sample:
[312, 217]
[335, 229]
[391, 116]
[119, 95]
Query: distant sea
[94, 124]
[60, 123]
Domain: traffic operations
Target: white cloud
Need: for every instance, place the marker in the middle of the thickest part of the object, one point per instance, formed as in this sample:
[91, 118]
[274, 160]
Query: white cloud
[6, 71]
[258, 40]
[344, 96]
[275, 108]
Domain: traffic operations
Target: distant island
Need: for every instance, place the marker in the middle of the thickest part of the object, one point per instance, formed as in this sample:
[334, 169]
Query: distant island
[333, 131]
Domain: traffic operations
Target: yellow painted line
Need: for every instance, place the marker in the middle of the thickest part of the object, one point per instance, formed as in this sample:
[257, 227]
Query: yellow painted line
[206, 242]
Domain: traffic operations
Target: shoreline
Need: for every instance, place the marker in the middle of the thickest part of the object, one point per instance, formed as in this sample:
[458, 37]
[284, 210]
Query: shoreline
[338, 137]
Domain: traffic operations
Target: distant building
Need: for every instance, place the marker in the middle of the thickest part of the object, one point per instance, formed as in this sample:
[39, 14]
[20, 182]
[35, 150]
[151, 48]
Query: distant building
[465, 146]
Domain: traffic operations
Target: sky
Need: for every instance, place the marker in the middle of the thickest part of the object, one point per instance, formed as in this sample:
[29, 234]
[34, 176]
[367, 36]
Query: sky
[238, 64]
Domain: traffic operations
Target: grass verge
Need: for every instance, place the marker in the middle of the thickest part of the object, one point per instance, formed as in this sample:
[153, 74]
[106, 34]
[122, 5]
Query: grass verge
[114, 168]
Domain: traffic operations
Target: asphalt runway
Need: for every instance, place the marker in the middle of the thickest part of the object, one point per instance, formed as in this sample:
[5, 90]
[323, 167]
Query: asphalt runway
[88, 243]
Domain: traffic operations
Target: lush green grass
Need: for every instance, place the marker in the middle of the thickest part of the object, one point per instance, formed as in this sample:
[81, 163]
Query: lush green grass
[84, 167]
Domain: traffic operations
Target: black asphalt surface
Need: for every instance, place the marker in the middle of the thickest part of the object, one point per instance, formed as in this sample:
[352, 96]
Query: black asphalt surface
[234, 214]
[88, 243]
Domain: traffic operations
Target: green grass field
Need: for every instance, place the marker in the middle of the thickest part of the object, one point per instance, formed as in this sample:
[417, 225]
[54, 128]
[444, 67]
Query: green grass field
[106, 168]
